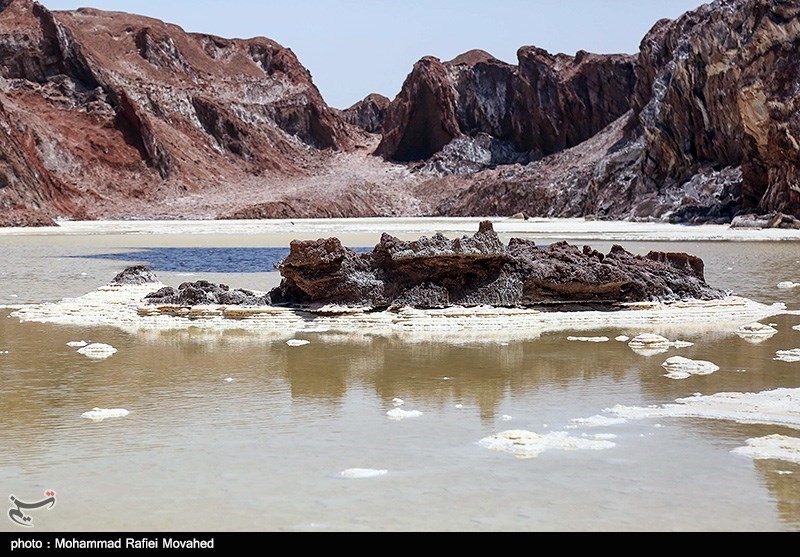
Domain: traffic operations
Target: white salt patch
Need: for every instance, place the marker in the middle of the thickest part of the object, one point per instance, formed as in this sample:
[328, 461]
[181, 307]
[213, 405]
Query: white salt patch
[792, 355]
[400, 414]
[297, 342]
[788, 284]
[527, 444]
[97, 350]
[3, 351]
[459, 406]
[649, 344]
[589, 339]
[358, 473]
[228, 379]
[756, 332]
[796, 327]
[77, 343]
[772, 446]
[506, 418]
[679, 367]
[596, 421]
[100, 414]
[776, 407]
[445, 379]
[622, 338]
[398, 401]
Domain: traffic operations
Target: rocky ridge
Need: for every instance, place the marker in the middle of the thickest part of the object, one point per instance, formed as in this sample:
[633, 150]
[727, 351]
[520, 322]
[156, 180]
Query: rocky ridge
[112, 115]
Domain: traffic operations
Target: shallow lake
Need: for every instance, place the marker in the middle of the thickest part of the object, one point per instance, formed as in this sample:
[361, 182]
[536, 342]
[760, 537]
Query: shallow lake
[236, 431]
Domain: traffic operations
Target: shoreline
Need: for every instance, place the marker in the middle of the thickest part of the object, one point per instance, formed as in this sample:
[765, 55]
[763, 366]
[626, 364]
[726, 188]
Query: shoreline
[570, 229]
[123, 307]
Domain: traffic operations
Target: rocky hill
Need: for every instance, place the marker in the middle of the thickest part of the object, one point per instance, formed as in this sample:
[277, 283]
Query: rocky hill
[112, 115]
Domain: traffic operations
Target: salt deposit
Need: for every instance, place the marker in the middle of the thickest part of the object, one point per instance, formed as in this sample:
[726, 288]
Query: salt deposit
[772, 446]
[398, 401]
[788, 284]
[791, 355]
[756, 332]
[589, 339]
[297, 342]
[679, 367]
[595, 421]
[97, 350]
[527, 444]
[776, 407]
[122, 306]
[358, 473]
[650, 344]
[77, 343]
[622, 338]
[100, 414]
[400, 414]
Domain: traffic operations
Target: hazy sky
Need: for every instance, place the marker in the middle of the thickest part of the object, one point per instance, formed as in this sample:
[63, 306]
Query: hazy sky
[357, 47]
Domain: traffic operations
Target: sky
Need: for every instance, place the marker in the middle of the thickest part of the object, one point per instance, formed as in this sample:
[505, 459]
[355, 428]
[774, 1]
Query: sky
[356, 47]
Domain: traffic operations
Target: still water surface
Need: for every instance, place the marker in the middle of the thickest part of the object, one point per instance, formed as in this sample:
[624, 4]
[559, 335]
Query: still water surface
[265, 451]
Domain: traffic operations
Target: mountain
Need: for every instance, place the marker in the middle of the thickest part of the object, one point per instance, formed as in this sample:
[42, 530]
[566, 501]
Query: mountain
[113, 115]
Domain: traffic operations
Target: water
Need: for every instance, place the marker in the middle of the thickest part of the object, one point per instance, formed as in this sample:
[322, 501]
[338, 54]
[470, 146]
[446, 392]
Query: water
[265, 451]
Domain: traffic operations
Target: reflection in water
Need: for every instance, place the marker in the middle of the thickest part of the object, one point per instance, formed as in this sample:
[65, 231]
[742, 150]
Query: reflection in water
[266, 450]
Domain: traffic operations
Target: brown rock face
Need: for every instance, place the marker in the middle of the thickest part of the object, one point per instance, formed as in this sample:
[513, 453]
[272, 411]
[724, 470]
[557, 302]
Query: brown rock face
[114, 112]
[422, 118]
[368, 114]
[542, 106]
[713, 131]
[479, 269]
[720, 86]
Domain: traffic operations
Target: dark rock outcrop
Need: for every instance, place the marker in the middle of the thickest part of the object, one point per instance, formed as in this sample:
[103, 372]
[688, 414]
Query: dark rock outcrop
[202, 292]
[137, 274]
[368, 113]
[480, 270]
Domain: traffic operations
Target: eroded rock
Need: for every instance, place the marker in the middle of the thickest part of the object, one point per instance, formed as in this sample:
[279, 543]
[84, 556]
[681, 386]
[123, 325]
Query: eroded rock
[480, 270]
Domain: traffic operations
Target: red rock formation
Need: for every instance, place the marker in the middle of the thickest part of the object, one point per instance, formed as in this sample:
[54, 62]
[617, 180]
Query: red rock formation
[544, 105]
[119, 112]
[422, 118]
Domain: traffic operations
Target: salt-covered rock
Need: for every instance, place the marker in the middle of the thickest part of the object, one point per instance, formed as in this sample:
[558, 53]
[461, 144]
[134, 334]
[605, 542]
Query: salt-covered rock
[756, 332]
[791, 355]
[679, 367]
[97, 350]
[774, 446]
